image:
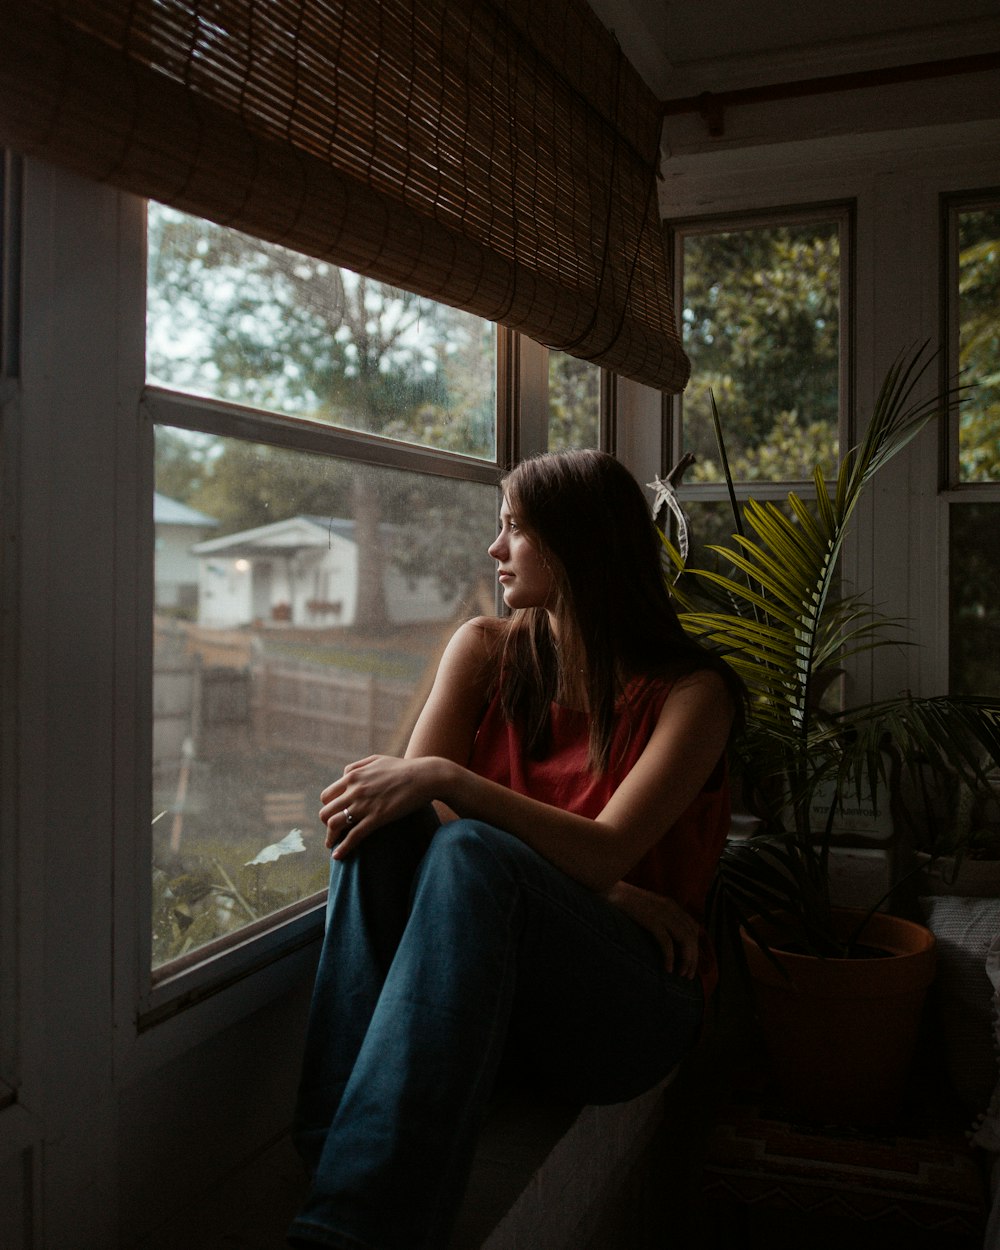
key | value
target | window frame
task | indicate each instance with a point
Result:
(10, 981)
(186, 980)
(78, 471)
(607, 407)
(521, 388)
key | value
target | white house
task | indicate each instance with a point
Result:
(303, 571)
(175, 568)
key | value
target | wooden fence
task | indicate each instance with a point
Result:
(225, 694)
(330, 714)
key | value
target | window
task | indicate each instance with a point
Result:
(763, 306)
(973, 266)
(325, 468)
(234, 318)
(574, 403)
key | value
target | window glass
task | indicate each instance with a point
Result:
(974, 519)
(233, 318)
(760, 313)
(301, 604)
(574, 403)
(301, 600)
(974, 566)
(979, 343)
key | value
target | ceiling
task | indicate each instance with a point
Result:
(683, 47)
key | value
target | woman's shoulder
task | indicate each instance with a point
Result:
(478, 643)
(658, 687)
(484, 632)
(703, 693)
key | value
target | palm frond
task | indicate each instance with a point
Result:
(787, 628)
(954, 733)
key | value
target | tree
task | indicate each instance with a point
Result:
(761, 325)
(182, 463)
(979, 343)
(574, 402)
(237, 319)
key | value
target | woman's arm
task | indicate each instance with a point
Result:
(445, 728)
(683, 749)
(448, 722)
(449, 719)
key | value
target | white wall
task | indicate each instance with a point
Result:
(175, 566)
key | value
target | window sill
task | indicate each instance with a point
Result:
(178, 987)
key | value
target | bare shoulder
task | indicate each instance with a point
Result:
(474, 648)
(704, 683)
(702, 693)
(489, 629)
(447, 724)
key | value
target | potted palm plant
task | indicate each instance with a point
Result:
(784, 623)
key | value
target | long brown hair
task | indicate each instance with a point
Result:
(615, 618)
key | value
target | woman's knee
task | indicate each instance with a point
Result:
(470, 849)
(471, 852)
(475, 840)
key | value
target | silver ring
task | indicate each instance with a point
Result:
(348, 817)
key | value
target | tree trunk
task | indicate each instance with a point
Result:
(372, 611)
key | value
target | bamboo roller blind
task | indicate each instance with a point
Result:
(497, 155)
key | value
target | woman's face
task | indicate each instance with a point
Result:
(526, 579)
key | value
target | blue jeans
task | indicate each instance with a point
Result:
(447, 949)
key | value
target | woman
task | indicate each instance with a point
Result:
(575, 755)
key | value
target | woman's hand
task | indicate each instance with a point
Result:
(676, 931)
(371, 793)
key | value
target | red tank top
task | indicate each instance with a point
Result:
(682, 862)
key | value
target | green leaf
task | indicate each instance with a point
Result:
(787, 631)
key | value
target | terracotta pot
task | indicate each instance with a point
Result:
(841, 1032)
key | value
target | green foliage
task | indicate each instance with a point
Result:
(248, 484)
(761, 325)
(240, 320)
(574, 403)
(787, 631)
(213, 893)
(789, 451)
(979, 343)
